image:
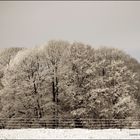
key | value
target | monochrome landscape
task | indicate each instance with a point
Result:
(69, 69)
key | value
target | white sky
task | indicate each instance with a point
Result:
(108, 23)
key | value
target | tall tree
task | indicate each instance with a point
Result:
(27, 85)
(99, 86)
(56, 52)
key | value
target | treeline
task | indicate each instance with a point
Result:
(63, 85)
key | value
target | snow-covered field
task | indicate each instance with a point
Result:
(69, 134)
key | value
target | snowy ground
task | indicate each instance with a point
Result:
(69, 134)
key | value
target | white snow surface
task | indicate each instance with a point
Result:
(69, 134)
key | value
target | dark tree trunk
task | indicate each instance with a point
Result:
(103, 72)
(38, 108)
(53, 90)
(57, 122)
(78, 123)
(55, 99)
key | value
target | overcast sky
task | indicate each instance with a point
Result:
(109, 23)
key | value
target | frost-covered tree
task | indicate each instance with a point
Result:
(56, 52)
(27, 87)
(75, 81)
(99, 86)
(6, 55)
(33, 86)
(68, 85)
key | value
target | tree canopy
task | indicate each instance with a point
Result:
(64, 84)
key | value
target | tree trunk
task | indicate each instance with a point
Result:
(78, 123)
(38, 109)
(55, 98)
(57, 122)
